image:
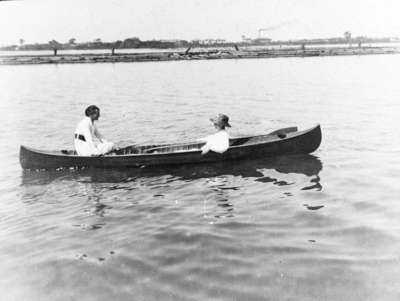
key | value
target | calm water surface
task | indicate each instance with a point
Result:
(320, 227)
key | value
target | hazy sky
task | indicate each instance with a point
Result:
(110, 20)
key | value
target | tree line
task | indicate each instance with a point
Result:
(165, 44)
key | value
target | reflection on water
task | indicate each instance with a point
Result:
(219, 182)
(308, 165)
(219, 196)
(285, 228)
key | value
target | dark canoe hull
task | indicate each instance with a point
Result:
(302, 142)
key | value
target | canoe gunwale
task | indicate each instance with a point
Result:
(60, 154)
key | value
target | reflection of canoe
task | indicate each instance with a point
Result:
(257, 169)
(281, 142)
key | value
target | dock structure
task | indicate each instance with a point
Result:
(190, 54)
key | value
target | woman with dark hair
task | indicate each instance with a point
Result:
(85, 133)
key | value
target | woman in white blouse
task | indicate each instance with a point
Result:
(85, 133)
(218, 142)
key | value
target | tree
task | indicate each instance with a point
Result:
(347, 36)
(72, 41)
(117, 44)
(98, 40)
(131, 43)
(21, 42)
(54, 44)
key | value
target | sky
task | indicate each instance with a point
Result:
(111, 20)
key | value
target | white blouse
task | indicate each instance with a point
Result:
(87, 129)
(218, 142)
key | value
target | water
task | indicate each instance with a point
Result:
(318, 227)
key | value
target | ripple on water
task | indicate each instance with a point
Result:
(318, 227)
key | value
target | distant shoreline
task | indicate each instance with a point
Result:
(192, 55)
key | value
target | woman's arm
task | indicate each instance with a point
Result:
(205, 149)
(97, 133)
(85, 131)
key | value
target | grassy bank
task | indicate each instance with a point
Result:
(198, 55)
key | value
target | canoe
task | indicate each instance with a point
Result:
(281, 142)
